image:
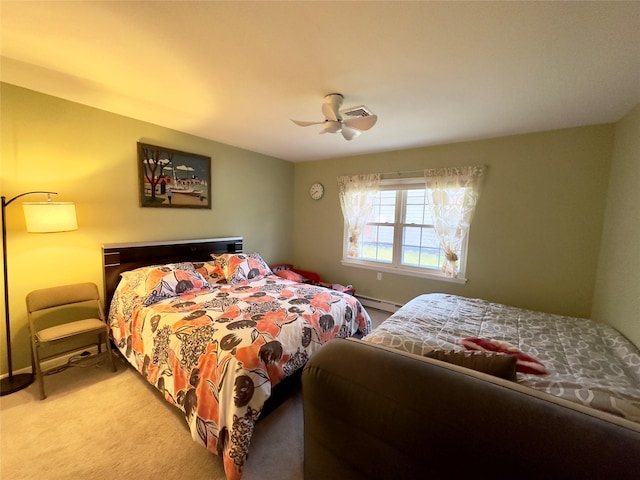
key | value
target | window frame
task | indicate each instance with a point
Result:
(395, 267)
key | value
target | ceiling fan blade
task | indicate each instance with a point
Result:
(305, 124)
(350, 133)
(362, 123)
(330, 112)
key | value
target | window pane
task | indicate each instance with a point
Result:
(384, 207)
(387, 195)
(370, 234)
(418, 210)
(422, 257)
(431, 258)
(428, 217)
(421, 248)
(415, 214)
(430, 238)
(385, 235)
(412, 236)
(375, 213)
(377, 243)
(415, 197)
(387, 214)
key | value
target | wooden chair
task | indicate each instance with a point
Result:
(65, 313)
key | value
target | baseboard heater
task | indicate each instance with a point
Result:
(379, 304)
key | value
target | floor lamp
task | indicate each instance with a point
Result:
(40, 217)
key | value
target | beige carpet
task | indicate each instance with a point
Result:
(99, 424)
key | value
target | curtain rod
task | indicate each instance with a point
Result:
(423, 171)
(405, 172)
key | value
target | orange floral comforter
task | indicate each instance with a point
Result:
(217, 353)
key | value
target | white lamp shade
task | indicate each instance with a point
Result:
(45, 217)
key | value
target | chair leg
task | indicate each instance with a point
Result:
(108, 342)
(36, 364)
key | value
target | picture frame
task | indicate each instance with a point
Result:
(171, 178)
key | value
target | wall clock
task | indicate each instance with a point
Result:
(316, 191)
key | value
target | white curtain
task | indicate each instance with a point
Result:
(452, 194)
(356, 199)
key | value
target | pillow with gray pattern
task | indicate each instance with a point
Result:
(499, 365)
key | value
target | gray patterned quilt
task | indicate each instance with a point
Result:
(589, 363)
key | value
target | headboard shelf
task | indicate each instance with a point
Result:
(120, 257)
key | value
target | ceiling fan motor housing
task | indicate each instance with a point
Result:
(331, 126)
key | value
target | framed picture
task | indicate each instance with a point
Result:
(173, 179)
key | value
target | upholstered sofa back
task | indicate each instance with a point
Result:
(376, 413)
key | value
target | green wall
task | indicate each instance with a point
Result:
(617, 293)
(535, 236)
(89, 156)
(535, 239)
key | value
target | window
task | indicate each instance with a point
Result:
(400, 233)
(416, 226)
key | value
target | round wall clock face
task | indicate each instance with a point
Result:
(316, 191)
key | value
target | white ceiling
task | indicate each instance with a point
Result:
(237, 72)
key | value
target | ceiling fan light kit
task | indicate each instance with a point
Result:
(360, 118)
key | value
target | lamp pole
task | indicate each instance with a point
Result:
(12, 383)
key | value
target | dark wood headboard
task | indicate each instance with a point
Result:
(120, 257)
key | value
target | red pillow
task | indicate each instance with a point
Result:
(525, 364)
(290, 275)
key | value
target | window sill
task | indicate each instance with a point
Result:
(380, 267)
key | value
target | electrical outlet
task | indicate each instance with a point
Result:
(379, 276)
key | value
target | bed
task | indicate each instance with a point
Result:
(216, 333)
(409, 401)
(577, 359)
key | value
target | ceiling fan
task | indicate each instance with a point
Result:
(360, 118)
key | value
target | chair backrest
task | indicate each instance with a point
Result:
(50, 306)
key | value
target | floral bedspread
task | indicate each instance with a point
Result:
(216, 353)
(588, 362)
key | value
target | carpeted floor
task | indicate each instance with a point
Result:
(99, 424)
